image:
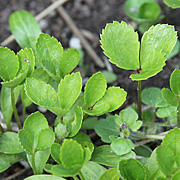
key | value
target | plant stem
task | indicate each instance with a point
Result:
(14, 109)
(1, 129)
(139, 100)
(81, 176)
(24, 112)
(75, 178)
(178, 114)
(33, 163)
(153, 117)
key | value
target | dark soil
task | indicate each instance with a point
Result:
(90, 15)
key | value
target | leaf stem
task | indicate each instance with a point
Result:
(139, 100)
(81, 176)
(75, 178)
(178, 113)
(14, 109)
(23, 112)
(33, 163)
(153, 117)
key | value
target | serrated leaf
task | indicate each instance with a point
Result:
(6, 105)
(71, 154)
(111, 173)
(69, 60)
(95, 89)
(8, 159)
(55, 152)
(107, 127)
(175, 51)
(92, 171)
(24, 98)
(9, 64)
(114, 97)
(75, 126)
(28, 136)
(132, 169)
(172, 3)
(48, 52)
(24, 28)
(44, 177)
(174, 82)
(9, 143)
(122, 146)
(42, 94)
(106, 156)
(153, 97)
(46, 138)
(115, 40)
(69, 89)
(41, 158)
(169, 97)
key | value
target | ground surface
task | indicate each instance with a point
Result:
(90, 15)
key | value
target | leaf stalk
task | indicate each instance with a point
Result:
(139, 100)
(33, 163)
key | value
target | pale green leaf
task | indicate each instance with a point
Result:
(116, 41)
(24, 28)
(107, 127)
(114, 97)
(6, 105)
(55, 152)
(41, 74)
(44, 177)
(111, 173)
(95, 89)
(172, 3)
(166, 112)
(69, 89)
(42, 94)
(110, 76)
(61, 131)
(174, 82)
(122, 146)
(9, 64)
(169, 97)
(71, 154)
(41, 158)
(24, 98)
(69, 60)
(48, 52)
(92, 171)
(106, 156)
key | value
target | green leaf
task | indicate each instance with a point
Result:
(48, 52)
(114, 97)
(8, 159)
(69, 60)
(41, 158)
(44, 177)
(89, 123)
(105, 156)
(55, 152)
(132, 169)
(176, 176)
(109, 76)
(116, 41)
(111, 173)
(149, 10)
(129, 117)
(41, 74)
(75, 126)
(169, 97)
(156, 43)
(107, 127)
(9, 64)
(175, 50)
(143, 151)
(92, 171)
(28, 136)
(168, 111)
(6, 105)
(24, 98)
(42, 94)
(153, 97)
(9, 143)
(174, 82)
(71, 154)
(95, 89)
(61, 131)
(69, 89)
(24, 28)
(172, 3)
(122, 146)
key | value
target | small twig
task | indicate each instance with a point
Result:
(40, 16)
(107, 64)
(17, 174)
(77, 32)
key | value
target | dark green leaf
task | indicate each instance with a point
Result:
(89, 123)
(55, 152)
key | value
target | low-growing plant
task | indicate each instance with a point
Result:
(43, 74)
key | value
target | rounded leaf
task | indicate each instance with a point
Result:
(174, 82)
(169, 97)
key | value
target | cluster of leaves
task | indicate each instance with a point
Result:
(42, 74)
